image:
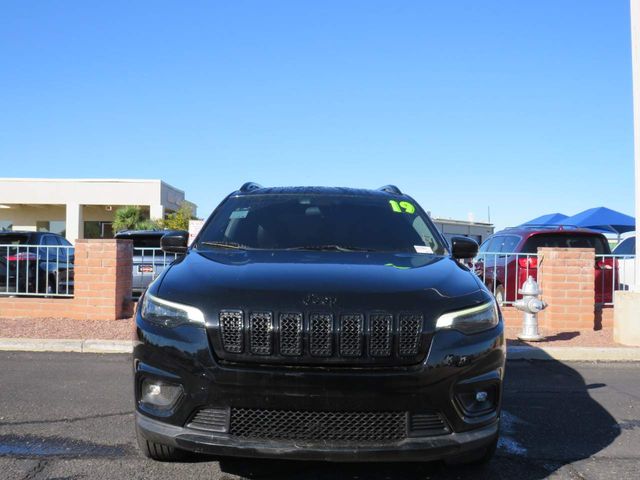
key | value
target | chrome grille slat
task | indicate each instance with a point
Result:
(232, 330)
(291, 334)
(261, 333)
(380, 334)
(351, 335)
(321, 334)
(409, 327)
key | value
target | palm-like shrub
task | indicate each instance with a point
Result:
(131, 217)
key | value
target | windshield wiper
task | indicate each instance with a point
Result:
(233, 245)
(337, 248)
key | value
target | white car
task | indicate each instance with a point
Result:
(626, 251)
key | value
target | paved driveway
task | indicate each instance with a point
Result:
(69, 416)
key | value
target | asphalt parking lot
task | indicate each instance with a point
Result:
(70, 416)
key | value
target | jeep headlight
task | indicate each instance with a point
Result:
(471, 320)
(169, 314)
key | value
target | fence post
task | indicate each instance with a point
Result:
(566, 277)
(102, 283)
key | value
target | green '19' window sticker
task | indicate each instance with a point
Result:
(400, 207)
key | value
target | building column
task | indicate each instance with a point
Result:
(635, 65)
(74, 222)
(156, 212)
(626, 328)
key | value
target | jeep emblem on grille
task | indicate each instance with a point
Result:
(315, 299)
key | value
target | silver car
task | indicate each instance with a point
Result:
(148, 259)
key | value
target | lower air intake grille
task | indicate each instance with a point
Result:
(313, 426)
(211, 420)
(427, 424)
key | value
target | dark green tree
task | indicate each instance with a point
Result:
(179, 220)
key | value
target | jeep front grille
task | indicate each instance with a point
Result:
(376, 338)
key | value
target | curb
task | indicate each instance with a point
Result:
(65, 345)
(575, 354)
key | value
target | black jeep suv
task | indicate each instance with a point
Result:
(322, 324)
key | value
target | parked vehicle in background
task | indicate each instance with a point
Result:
(625, 255)
(148, 259)
(35, 263)
(509, 257)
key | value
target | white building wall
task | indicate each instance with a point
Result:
(80, 191)
(79, 200)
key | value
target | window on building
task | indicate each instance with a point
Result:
(53, 226)
(95, 229)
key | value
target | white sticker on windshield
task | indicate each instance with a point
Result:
(423, 249)
(239, 214)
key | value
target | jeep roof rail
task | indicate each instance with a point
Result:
(249, 186)
(390, 189)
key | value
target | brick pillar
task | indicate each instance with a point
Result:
(566, 277)
(102, 280)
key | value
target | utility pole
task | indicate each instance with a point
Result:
(635, 64)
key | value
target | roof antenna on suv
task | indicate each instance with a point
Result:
(249, 186)
(390, 189)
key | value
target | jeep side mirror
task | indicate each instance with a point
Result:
(463, 247)
(175, 242)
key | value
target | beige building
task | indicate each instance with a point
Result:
(479, 231)
(81, 208)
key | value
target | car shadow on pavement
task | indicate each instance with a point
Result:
(549, 421)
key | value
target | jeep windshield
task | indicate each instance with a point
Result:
(321, 222)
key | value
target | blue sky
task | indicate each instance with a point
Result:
(523, 106)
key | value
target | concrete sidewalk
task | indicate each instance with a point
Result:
(583, 354)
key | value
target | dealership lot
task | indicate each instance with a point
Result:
(71, 416)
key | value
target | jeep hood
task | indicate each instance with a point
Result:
(281, 280)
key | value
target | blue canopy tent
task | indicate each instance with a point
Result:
(548, 219)
(602, 218)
